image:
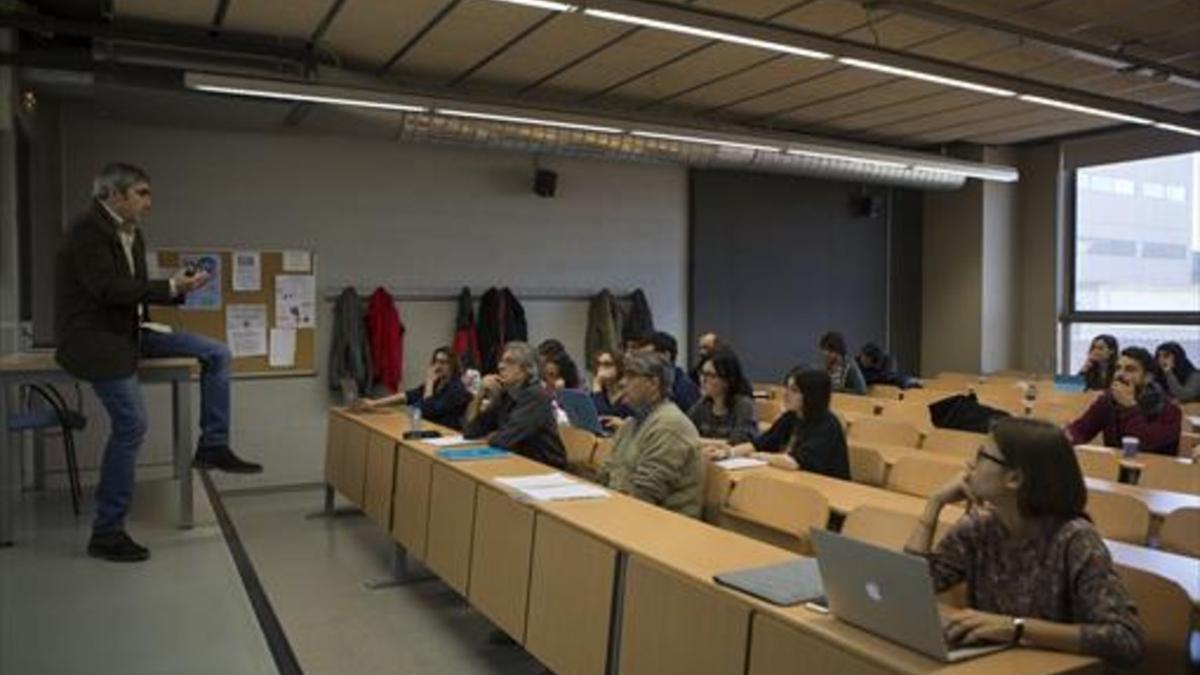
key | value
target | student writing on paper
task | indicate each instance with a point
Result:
(514, 412)
(1037, 571)
(806, 436)
(656, 453)
(442, 397)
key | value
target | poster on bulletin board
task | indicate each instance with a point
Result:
(261, 304)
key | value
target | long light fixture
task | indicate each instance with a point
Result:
(542, 4)
(1001, 174)
(720, 36)
(1177, 129)
(1087, 110)
(308, 98)
(927, 77)
(527, 120)
(847, 158)
(704, 141)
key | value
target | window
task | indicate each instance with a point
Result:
(1136, 256)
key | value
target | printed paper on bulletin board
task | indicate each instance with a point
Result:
(212, 323)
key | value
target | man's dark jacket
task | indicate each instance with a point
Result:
(97, 298)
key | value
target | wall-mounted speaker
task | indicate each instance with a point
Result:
(545, 183)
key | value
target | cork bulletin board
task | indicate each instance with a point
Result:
(211, 320)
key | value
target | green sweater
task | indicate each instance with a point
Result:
(658, 460)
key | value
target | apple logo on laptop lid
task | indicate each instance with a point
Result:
(874, 592)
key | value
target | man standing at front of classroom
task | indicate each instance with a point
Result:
(102, 328)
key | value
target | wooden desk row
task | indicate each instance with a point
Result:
(845, 496)
(1160, 502)
(605, 586)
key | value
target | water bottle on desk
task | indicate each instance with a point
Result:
(414, 416)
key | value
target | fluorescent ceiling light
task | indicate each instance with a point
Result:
(1177, 129)
(705, 33)
(1000, 174)
(918, 75)
(527, 120)
(542, 4)
(310, 98)
(1075, 107)
(847, 158)
(704, 141)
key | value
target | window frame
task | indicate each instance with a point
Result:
(1073, 315)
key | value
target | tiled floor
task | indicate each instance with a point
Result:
(186, 611)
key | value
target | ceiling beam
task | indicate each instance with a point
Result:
(1117, 59)
(737, 25)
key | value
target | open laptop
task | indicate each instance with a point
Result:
(888, 593)
(581, 411)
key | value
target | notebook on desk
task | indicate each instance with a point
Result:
(785, 584)
(468, 454)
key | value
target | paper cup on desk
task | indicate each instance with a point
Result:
(1130, 445)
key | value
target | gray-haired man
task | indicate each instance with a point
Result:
(656, 454)
(102, 326)
(514, 412)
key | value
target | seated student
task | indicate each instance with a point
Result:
(843, 371)
(1037, 571)
(559, 372)
(442, 397)
(876, 368)
(684, 392)
(706, 344)
(514, 412)
(807, 437)
(726, 409)
(1177, 375)
(1134, 405)
(656, 453)
(608, 390)
(1101, 364)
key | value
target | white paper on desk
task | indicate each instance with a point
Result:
(565, 492)
(297, 261)
(735, 463)
(541, 480)
(246, 330)
(283, 348)
(247, 271)
(295, 301)
(446, 441)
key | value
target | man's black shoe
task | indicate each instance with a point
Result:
(220, 457)
(116, 546)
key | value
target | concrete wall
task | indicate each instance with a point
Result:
(952, 280)
(1039, 255)
(411, 217)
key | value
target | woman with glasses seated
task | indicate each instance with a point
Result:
(442, 397)
(1037, 572)
(725, 410)
(807, 436)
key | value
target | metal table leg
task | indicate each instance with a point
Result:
(7, 459)
(400, 576)
(181, 422)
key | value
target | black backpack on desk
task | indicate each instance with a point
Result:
(965, 413)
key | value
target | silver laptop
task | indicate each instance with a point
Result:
(888, 593)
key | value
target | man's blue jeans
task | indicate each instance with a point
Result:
(122, 399)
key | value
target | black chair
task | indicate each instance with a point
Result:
(57, 414)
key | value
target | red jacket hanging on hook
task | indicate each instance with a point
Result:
(386, 335)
